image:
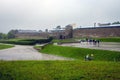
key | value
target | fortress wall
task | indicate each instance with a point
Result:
(39, 35)
(97, 32)
(76, 33)
(31, 35)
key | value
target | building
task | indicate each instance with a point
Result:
(108, 31)
(69, 32)
(63, 33)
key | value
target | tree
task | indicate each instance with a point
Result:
(58, 27)
(0, 35)
(11, 34)
(116, 22)
(3, 36)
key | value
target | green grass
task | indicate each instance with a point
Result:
(110, 39)
(15, 39)
(63, 40)
(38, 47)
(114, 39)
(59, 70)
(80, 53)
(4, 46)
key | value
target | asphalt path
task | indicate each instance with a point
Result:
(112, 46)
(20, 52)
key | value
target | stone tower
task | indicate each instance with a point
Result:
(69, 31)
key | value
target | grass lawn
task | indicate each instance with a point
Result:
(110, 39)
(59, 70)
(80, 53)
(114, 39)
(101, 68)
(4, 46)
(64, 40)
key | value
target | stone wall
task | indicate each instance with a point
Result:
(67, 33)
(76, 33)
(97, 32)
(31, 35)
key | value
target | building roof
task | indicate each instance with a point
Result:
(27, 31)
(99, 27)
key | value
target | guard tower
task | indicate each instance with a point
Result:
(69, 31)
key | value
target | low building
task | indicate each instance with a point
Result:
(56, 33)
(69, 32)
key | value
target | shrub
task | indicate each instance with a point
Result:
(26, 41)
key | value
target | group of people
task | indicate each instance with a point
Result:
(91, 41)
(89, 57)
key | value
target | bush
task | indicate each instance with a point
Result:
(18, 42)
(26, 41)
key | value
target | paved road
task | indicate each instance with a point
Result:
(26, 53)
(103, 46)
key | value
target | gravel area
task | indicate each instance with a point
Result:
(103, 46)
(20, 52)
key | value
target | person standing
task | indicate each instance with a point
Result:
(98, 42)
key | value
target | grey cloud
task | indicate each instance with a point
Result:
(42, 14)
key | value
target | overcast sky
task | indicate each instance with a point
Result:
(47, 14)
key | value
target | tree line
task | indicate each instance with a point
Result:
(9, 35)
